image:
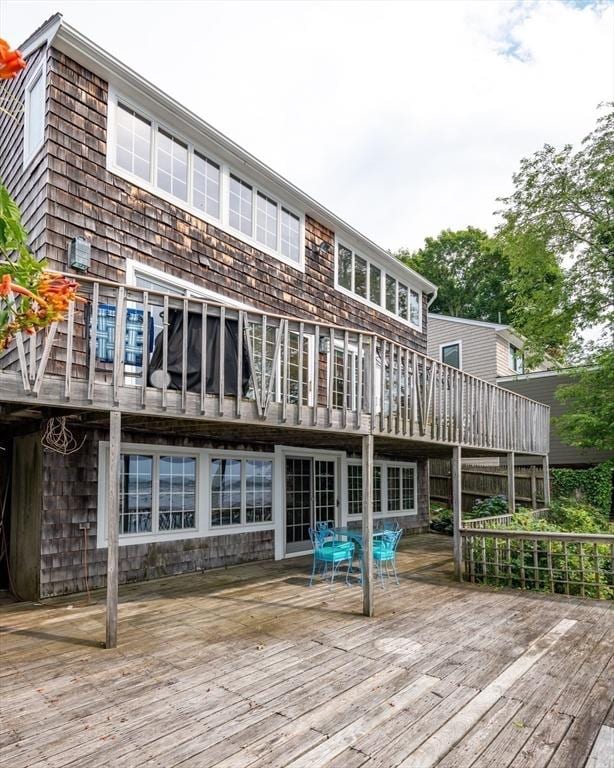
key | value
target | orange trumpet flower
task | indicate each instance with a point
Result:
(11, 62)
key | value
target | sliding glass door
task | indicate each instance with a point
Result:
(311, 497)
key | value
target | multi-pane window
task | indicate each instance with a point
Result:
(177, 493)
(206, 185)
(414, 308)
(258, 491)
(240, 206)
(172, 165)
(391, 294)
(241, 491)
(369, 282)
(344, 268)
(157, 493)
(136, 494)
(400, 489)
(375, 284)
(354, 489)
(266, 221)
(290, 236)
(516, 359)
(394, 489)
(348, 373)
(360, 276)
(133, 142)
(34, 114)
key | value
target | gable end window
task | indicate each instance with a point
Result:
(450, 354)
(34, 123)
(516, 359)
(368, 282)
(162, 161)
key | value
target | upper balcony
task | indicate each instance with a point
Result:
(184, 357)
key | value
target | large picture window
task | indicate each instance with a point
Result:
(394, 489)
(157, 493)
(241, 491)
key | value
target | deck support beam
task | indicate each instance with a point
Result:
(511, 483)
(457, 510)
(367, 525)
(546, 468)
(113, 480)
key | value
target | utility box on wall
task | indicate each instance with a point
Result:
(79, 254)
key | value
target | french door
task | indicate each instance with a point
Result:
(311, 497)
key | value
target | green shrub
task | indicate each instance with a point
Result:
(442, 519)
(593, 485)
(496, 505)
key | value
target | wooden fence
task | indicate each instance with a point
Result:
(564, 563)
(480, 482)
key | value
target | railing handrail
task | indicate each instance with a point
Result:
(589, 538)
(366, 334)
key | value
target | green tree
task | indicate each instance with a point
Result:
(511, 279)
(589, 418)
(564, 199)
(470, 272)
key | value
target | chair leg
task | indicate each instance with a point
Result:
(394, 568)
(381, 573)
(313, 572)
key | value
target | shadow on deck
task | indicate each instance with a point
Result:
(249, 667)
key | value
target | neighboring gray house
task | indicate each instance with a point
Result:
(486, 350)
(493, 351)
(541, 385)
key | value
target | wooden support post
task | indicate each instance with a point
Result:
(546, 467)
(115, 421)
(511, 483)
(533, 473)
(457, 507)
(367, 525)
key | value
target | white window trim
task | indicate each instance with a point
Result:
(29, 153)
(458, 343)
(345, 243)
(203, 527)
(385, 513)
(225, 171)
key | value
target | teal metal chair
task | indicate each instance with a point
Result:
(385, 553)
(330, 551)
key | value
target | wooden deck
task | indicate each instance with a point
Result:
(249, 667)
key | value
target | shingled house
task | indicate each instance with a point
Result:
(262, 360)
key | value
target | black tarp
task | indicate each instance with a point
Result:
(194, 369)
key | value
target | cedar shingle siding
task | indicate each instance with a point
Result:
(126, 221)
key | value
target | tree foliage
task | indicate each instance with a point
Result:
(564, 199)
(513, 281)
(589, 418)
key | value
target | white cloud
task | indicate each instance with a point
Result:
(403, 118)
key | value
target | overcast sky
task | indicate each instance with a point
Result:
(404, 118)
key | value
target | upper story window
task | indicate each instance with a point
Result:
(369, 282)
(450, 354)
(516, 359)
(34, 124)
(169, 165)
(133, 142)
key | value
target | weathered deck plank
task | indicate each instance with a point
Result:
(249, 667)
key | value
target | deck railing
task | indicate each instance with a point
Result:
(565, 563)
(500, 521)
(238, 363)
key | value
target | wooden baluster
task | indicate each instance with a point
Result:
(184, 356)
(359, 383)
(382, 415)
(508, 557)
(597, 571)
(484, 568)
(222, 361)
(331, 376)
(399, 413)
(263, 345)
(316, 375)
(301, 354)
(284, 383)
(346, 375)
(145, 350)
(70, 333)
(203, 359)
(549, 562)
(523, 582)
(93, 331)
(407, 401)
(239, 400)
(566, 560)
(535, 565)
(119, 345)
(164, 351)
